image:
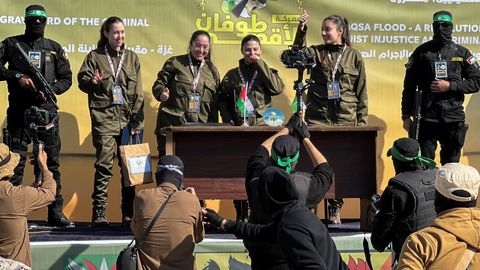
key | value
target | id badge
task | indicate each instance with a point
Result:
(333, 90)
(117, 95)
(441, 69)
(194, 102)
(35, 58)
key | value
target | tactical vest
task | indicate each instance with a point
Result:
(421, 187)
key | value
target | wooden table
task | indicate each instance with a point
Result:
(215, 157)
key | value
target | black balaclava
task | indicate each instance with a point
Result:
(442, 27)
(276, 190)
(35, 21)
(170, 169)
(285, 152)
(406, 156)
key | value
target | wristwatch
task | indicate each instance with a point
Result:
(18, 75)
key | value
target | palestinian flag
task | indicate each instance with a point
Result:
(244, 101)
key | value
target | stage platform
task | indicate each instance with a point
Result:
(87, 248)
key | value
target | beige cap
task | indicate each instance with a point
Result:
(458, 182)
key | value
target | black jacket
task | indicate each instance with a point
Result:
(53, 59)
(321, 179)
(268, 254)
(463, 74)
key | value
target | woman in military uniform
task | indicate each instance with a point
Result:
(338, 96)
(186, 87)
(260, 81)
(111, 77)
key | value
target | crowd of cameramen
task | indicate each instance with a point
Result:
(428, 214)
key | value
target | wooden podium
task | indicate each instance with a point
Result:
(215, 157)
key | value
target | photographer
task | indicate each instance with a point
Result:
(282, 150)
(27, 95)
(18, 201)
(338, 96)
(171, 241)
(406, 204)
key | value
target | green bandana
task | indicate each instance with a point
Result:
(285, 162)
(442, 18)
(429, 163)
(35, 13)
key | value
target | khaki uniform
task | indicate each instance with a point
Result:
(109, 119)
(442, 244)
(177, 77)
(171, 242)
(351, 108)
(267, 84)
(15, 203)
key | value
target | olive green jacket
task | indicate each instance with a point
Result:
(177, 77)
(267, 84)
(108, 118)
(351, 108)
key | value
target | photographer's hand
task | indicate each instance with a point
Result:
(42, 158)
(42, 163)
(190, 190)
(303, 20)
(214, 218)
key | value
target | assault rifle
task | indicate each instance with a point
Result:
(417, 115)
(40, 82)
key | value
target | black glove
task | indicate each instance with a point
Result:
(302, 131)
(294, 121)
(213, 217)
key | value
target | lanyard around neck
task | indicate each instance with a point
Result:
(196, 76)
(339, 58)
(120, 64)
(250, 85)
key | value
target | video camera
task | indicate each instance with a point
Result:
(36, 118)
(294, 57)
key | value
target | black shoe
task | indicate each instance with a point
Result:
(60, 221)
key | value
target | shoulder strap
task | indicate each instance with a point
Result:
(466, 258)
(147, 231)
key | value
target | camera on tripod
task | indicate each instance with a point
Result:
(294, 57)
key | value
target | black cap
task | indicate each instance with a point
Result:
(285, 146)
(406, 147)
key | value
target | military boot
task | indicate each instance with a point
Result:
(59, 220)
(334, 215)
(56, 218)
(99, 218)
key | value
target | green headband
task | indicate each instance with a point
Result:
(429, 163)
(285, 162)
(35, 13)
(442, 17)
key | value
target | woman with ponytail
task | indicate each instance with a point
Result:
(338, 96)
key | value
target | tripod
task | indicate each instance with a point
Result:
(300, 88)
